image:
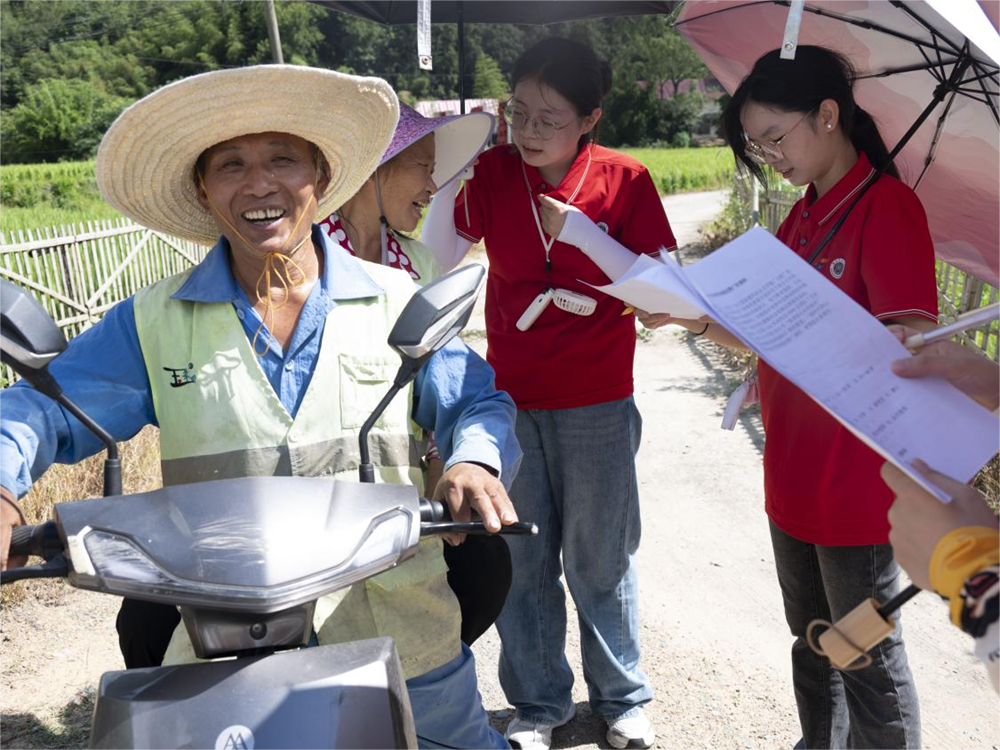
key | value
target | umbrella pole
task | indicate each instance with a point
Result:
(460, 9)
(940, 92)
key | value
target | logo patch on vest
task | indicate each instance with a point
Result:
(603, 226)
(181, 375)
(837, 268)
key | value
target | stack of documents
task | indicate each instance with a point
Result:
(803, 326)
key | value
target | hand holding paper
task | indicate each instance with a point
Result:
(826, 344)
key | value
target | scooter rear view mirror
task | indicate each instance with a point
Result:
(29, 340)
(434, 316)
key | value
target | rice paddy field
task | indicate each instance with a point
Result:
(33, 196)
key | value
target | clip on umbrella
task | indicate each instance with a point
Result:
(425, 55)
(792, 26)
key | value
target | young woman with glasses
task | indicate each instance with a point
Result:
(564, 353)
(825, 501)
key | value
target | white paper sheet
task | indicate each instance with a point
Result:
(837, 352)
(654, 286)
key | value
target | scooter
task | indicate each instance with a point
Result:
(245, 561)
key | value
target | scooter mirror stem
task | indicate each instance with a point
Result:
(366, 471)
(112, 464)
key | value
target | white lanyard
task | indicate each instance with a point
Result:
(547, 244)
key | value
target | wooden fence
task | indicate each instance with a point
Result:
(78, 272)
(957, 291)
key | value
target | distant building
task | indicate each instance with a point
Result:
(709, 88)
(445, 107)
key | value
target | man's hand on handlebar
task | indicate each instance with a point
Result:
(10, 516)
(467, 487)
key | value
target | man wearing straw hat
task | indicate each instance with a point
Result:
(280, 338)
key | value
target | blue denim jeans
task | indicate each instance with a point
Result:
(874, 707)
(577, 482)
(448, 710)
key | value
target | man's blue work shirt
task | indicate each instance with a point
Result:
(103, 371)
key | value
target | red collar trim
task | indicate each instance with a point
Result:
(569, 182)
(840, 194)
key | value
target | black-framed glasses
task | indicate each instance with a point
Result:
(518, 119)
(760, 151)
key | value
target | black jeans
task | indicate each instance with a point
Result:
(479, 574)
(874, 707)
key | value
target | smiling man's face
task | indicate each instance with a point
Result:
(265, 186)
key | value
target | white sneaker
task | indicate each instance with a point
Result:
(531, 735)
(634, 731)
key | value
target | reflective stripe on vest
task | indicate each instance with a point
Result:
(219, 417)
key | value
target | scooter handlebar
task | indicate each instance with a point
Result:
(38, 541)
(435, 518)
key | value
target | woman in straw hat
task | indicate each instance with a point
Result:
(424, 155)
(279, 340)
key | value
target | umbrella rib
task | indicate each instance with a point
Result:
(932, 151)
(912, 14)
(937, 74)
(989, 102)
(929, 66)
(872, 26)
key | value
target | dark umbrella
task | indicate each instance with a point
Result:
(530, 12)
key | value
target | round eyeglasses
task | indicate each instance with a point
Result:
(761, 151)
(519, 120)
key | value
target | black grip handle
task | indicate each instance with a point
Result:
(40, 541)
(433, 511)
(435, 518)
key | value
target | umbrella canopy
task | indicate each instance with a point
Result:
(533, 12)
(903, 53)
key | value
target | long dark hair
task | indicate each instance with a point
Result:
(801, 85)
(572, 69)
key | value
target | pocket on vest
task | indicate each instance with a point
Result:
(364, 381)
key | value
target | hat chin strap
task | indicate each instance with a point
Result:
(383, 223)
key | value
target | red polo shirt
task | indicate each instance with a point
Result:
(564, 360)
(821, 484)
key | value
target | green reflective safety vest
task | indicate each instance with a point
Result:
(219, 418)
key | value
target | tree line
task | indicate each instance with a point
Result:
(70, 67)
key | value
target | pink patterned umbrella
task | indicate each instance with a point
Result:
(928, 72)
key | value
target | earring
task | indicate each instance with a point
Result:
(829, 125)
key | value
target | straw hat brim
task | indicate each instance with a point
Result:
(146, 161)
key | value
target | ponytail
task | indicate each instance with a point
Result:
(801, 85)
(866, 138)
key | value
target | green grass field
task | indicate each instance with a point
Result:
(682, 170)
(33, 196)
(47, 195)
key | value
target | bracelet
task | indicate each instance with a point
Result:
(701, 332)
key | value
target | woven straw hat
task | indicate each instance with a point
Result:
(145, 165)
